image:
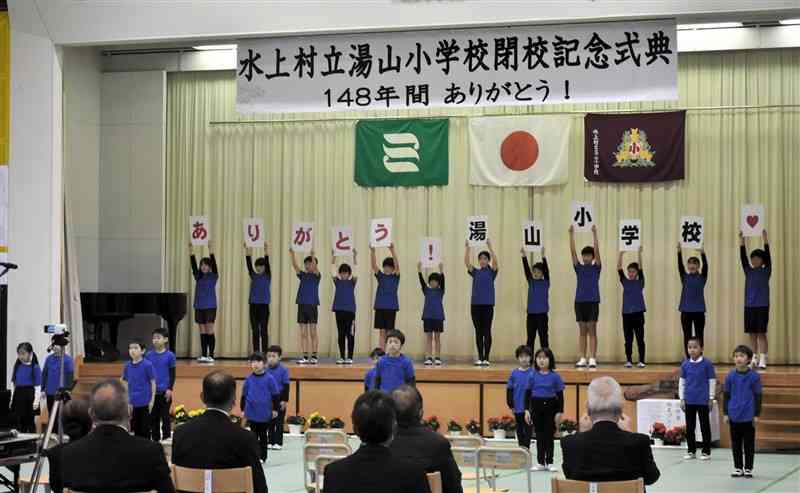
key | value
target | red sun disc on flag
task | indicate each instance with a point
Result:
(519, 150)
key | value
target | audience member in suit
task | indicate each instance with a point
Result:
(605, 450)
(109, 459)
(374, 467)
(212, 441)
(419, 443)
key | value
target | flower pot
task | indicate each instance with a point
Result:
(455, 432)
(659, 442)
(499, 434)
(295, 429)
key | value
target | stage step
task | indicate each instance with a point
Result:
(779, 427)
(774, 395)
(792, 440)
(791, 424)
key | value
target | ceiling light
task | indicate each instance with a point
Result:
(712, 25)
(214, 47)
(790, 22)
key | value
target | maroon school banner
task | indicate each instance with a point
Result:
(636, 147)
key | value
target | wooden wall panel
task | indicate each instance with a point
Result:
(331, 399)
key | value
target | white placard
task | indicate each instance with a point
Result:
(342, 240)
(582, 216)
(630, 235)
(430, 252)
(691, 231)
(302, 237)
(477, 230)
(380, 232)
(631, 60)
(254, 234)
(668, 412)
(531, 236)
(199, 230)
(752, 219)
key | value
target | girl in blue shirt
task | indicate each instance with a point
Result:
(518, 395)
(260, 297)
(27, 378)
(693, 299)
(482, 303)
(587, 296)
(307, 306)
(547, 406)
(432, 314)
(742, 407)
(344, 307)
(205, 301)
(538, 300)
(756, 297)
(386, 301)
(633, 308)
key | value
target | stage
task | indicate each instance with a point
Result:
(463, 392)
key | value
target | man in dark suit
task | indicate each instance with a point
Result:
(419, 443)
(605, 450)
(373, 467)
(212, 441)
(110, 459)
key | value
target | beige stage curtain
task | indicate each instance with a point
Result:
(291, 171)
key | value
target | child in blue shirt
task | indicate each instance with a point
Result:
(163, 361)
(51, 374)
(756, 297)
(280, 374)
(394, 369)
(587, 296)
(140, 376)
(633, 308)
(205, 301)
(538, 300)
(307, 306)
(369, 377)
(742, 408)
(696, 389)
(482, 300)
(260, 297)
(386, 301)
(432, 314)
(518, 395)
(261, 399)
(344, 307)
(547, 406)
(693, 298)
(27, 379)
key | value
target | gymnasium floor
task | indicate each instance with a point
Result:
(773, 473)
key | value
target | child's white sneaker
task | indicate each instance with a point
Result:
(428, 361)
(340, 361)
(552, 468)
(628, 364)
(478, 362)
(689, 456)
(277, 447)
(581, 363)
(437, 361)
(748, 473)
(737, 473)
(705, 457)
(486, 363)
(762, 361)
(539, 467)
(641, 365)
(209, 359)
(201, 359)
(592, 363)
(348, 361)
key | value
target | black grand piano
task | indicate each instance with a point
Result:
(109, 309)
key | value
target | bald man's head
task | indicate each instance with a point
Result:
(219, 390)
(408, 404)
(108, 403)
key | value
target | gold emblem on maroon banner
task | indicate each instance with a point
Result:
(634, 151)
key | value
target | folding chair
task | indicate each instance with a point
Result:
(312, 451)
(509, 459)
(319, 467)
(570, 486)
(326, 436)
(235, 480)
(473, 442)
(435, 482)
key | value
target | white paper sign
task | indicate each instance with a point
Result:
(302, 237)
(380, 232)
(342, 240)
(430, 252)
(582, 216)
(477, 230)
(691, 232)
(254, 234)
(632, 60)
(630, 235)
(752, 219)
(199, 230)
(531, 236)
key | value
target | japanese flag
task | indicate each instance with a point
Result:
(513, 151)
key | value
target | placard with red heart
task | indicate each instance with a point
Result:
(752, 223)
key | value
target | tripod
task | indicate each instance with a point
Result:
(62, 396)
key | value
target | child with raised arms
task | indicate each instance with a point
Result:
(756, 297)
(260, 297)
(432, 314)
(344, 307)
(387, 303)
(587, 296)
(633, 308)
(307, 306)
(538, 300)
(482, 299)
(693, 299)
(205, 301)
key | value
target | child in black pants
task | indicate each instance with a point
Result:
(518, 394)
(260, 401)
(742, 408)
(280, 374)
(547, 406)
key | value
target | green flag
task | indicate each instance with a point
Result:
(402, 153)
